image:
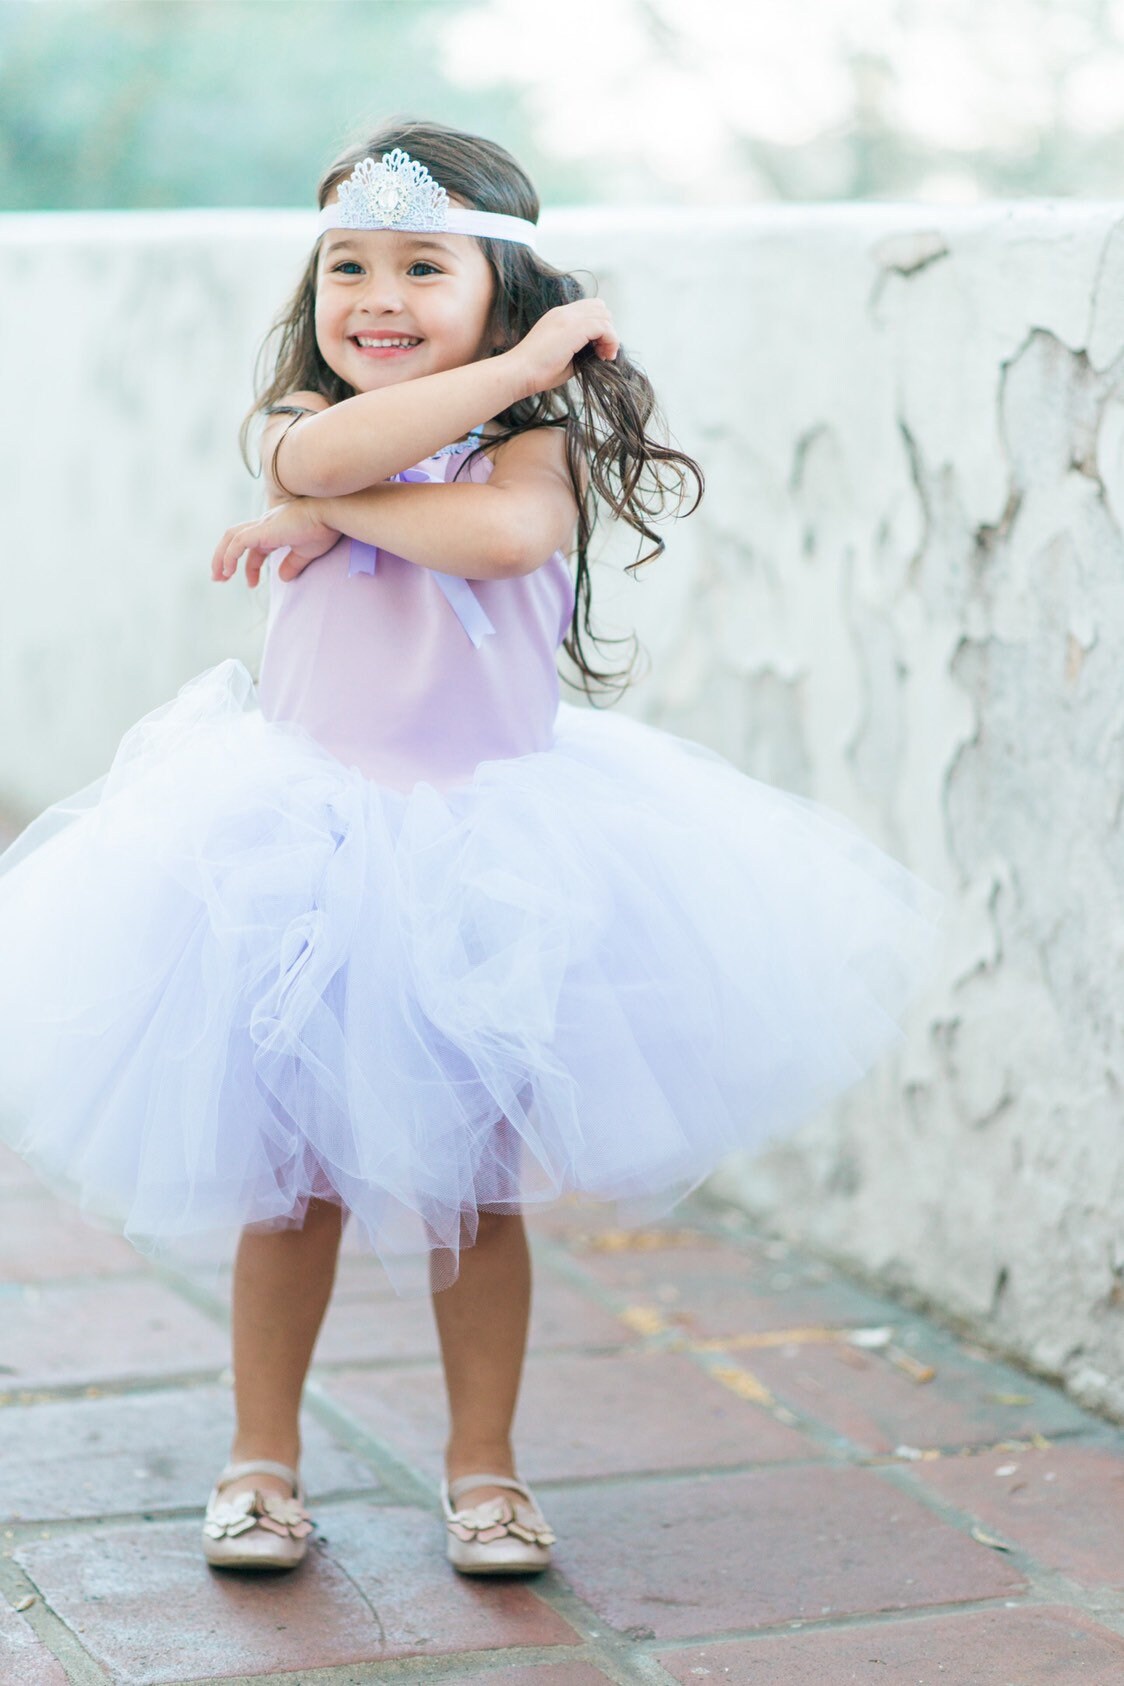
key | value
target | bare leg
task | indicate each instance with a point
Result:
(282, 1283)
(482, 1324)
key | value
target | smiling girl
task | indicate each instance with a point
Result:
(396, 934)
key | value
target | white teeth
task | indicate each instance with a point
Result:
(365, 340)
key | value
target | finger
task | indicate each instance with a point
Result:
(607, 345)
(291, 566)
(220, 550)
(233, 551)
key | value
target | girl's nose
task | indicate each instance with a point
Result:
(382, 293)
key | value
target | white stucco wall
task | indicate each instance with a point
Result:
(903, 595)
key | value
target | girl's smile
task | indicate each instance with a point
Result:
(384, 347)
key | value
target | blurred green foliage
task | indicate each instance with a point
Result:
(123, 104)
(126, 104)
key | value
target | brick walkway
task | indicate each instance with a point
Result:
(744, 1488)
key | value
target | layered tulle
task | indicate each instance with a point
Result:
(238, 973)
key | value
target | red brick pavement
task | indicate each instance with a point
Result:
(743, 1490)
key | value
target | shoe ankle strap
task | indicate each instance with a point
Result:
(464, 1484)
(259, 1466)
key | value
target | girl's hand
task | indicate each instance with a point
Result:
(547, 351)
(295, 523)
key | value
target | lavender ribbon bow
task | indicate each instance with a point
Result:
(457, 591)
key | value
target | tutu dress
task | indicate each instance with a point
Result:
(397, 927)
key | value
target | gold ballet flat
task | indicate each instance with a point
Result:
(498, 1536)
(256, 1529)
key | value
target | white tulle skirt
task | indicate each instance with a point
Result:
(239, 974)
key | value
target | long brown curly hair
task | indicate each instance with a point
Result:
(605, 409)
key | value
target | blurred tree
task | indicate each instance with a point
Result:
(123, 104)
(130, 103)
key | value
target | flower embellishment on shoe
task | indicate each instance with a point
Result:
(497, 1536)
(493, 1520)
(277, 1515)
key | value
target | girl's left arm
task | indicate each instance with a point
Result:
(505, 526)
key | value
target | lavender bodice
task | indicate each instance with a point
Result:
(380, 670)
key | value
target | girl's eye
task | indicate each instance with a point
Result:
(419, 263)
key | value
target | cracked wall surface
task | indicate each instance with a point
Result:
(903, 595)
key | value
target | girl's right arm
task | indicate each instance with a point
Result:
(365, 439)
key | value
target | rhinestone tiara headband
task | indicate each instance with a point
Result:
(401, 193)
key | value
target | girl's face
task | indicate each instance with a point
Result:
(433, 290)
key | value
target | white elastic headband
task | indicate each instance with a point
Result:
(401, 193)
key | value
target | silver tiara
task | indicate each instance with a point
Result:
(400, 193)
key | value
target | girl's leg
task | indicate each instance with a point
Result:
(482, 1323)
(282, 1283)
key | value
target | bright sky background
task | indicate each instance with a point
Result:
(677, 83)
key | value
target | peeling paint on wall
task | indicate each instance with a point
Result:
(980, 570)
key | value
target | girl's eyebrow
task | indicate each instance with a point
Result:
(422, 240)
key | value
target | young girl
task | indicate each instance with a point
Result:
(395, 932)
